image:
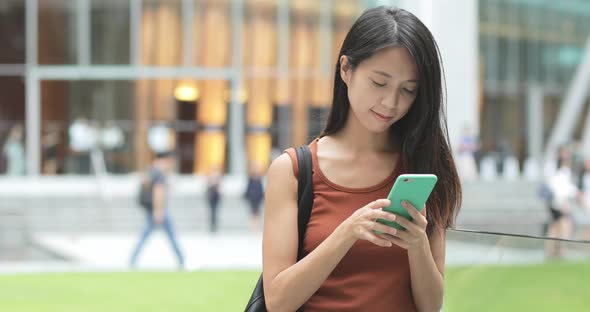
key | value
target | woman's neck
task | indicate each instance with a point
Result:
(360, 140)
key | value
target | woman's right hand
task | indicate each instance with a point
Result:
(362, 224)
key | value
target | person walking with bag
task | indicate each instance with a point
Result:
(154, 199)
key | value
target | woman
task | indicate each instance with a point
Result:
(387, 118)
(563, 191)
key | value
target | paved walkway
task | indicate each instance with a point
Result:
(110, 252)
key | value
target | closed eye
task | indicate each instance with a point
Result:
(409, 91)
(378, 84)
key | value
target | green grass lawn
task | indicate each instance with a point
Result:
(549, 287)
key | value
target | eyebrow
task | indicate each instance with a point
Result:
(382, 73)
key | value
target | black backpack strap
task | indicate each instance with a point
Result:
(304, 193)
(304, 204)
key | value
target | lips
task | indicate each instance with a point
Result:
(381, 117)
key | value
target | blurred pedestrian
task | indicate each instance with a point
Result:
(154, 197)
(213, 196)
(112, 140)
(82, 139)
(255, 194)
(564, 191)
(582, 218)
(49, 143)
(14, 151)
(467, 166)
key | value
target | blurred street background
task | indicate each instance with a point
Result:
(92, 91)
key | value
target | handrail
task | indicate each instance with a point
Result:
(519, 235)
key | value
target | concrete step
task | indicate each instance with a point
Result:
(493, 205)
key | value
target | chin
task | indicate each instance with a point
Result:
(378, 129)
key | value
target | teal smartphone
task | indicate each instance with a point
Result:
(413, 188)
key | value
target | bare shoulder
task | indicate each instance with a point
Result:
(281, 172)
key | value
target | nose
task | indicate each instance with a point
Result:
(390, 100)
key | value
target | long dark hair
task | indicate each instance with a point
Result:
(423, 130)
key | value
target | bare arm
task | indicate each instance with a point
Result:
(288, 284)
(427, 272)
(427, 259)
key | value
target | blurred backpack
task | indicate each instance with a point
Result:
(257, 301)
(145, 192)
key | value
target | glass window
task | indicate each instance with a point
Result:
(483, 13)
(110, 43)
(80, 117)
(12, 32)
(117, 125)
(260, 32)
(57, 32)
(213, 42)
(12, 123)
(511, 61)
(161, 33)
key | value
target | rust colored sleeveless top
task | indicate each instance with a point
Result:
(369, 277)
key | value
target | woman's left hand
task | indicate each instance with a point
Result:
(414, 235)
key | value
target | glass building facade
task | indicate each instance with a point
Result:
(525, 44)
(233, 79)
(239, 80)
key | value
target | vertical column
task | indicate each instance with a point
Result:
(283, 127)
(325, 37)
(458, 43)
(188, 8)
(33, 98)
(83, 31)
(33, 123)
(134, 27)
(535, 122)
(236, 136)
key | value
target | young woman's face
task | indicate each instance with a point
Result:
(382, 88)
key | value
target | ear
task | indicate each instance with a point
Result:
(345, 69)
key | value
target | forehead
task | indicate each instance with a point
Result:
(395, 61)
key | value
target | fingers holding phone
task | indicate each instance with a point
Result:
(362, 224)
(413, 233)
